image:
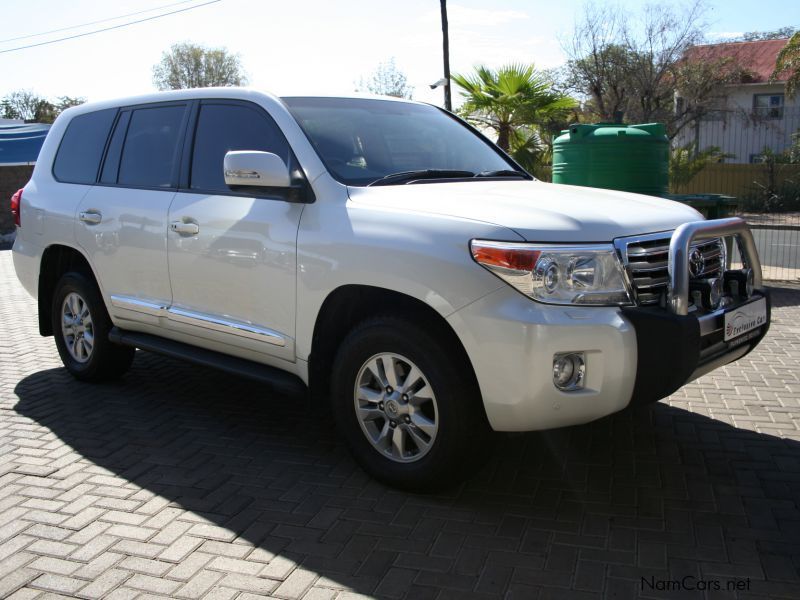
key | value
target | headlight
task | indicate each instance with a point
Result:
(585, 274)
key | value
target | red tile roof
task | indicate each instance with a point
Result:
(758, 57)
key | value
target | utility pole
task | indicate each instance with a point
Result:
(448, 104)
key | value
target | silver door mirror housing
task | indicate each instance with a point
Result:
(254, 168)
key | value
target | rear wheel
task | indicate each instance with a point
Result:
(81, 326)
(407, 407)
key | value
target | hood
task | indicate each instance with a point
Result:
(537, 211)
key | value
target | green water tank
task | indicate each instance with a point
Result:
(631, 158)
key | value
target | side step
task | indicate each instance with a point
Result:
(280, 381)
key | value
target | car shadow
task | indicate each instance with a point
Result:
(784, 293)
(655, 492)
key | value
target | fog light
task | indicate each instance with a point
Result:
(710, 291)
(739, 282)
(569, 370)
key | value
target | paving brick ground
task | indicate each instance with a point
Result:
(183, 482)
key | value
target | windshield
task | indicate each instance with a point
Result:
(364, 140)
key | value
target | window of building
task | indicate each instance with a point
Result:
(716, 108)
(769, 106)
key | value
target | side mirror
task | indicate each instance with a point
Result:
(251, 168)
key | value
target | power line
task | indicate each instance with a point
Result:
(32, 35)
(79, 35)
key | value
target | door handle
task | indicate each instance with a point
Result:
(90, 217)
(184, 228)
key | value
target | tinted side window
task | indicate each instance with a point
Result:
(81, 148)
(150, 151)
(224, 127)
(111, 164)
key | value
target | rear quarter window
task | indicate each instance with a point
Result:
(81, 149)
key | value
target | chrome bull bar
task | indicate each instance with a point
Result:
(681, 242)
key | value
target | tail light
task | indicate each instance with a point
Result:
(16, 200)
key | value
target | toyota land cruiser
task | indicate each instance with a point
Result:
(380, 253)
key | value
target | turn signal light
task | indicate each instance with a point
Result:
(505, 256)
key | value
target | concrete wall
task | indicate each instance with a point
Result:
(11, 179)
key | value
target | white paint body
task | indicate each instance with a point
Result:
(269, 265)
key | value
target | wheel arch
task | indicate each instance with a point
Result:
(348, 305)
(57, 259)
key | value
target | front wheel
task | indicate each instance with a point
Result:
(408, 408)
(81, 326)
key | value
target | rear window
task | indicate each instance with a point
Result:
(150, 153)
(81, 148)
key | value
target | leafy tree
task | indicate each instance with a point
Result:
(701, 85)
(629, 68)
(604, 75)
(386, 80)
(789, 61)
(30, 107)
(188, 65)
(514, 102)
(65, 102)
(22, 104)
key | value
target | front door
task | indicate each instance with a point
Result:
(232, 256)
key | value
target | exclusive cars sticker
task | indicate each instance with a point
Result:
(744, 319)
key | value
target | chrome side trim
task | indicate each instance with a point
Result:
(205, 321)
(678, 292)
(154, 309)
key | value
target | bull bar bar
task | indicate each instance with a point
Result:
(678, 264)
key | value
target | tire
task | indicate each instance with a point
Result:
(443, 433)
(80, 326)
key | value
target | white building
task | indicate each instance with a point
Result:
(752, 114)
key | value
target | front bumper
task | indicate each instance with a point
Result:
(673, 350)
(632, 355)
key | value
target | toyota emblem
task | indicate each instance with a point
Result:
(696, 263)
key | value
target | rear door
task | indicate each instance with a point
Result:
(232, 260)
(122, 221)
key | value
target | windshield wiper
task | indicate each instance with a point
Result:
(502, 173)
(406, 176)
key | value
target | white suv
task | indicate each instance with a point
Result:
(383, 255)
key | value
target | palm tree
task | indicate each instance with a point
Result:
(515, 102)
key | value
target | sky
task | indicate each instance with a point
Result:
(309, 46)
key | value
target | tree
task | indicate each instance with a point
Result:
(700, 85)
(516, 102)
(789, 62)
(777, 34)
(188, 65)
(30, 107)
(386, 80)
(65, 102)
(630, 69)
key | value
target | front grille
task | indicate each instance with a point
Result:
(645, 259)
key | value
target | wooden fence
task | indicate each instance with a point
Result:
(740, 180)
